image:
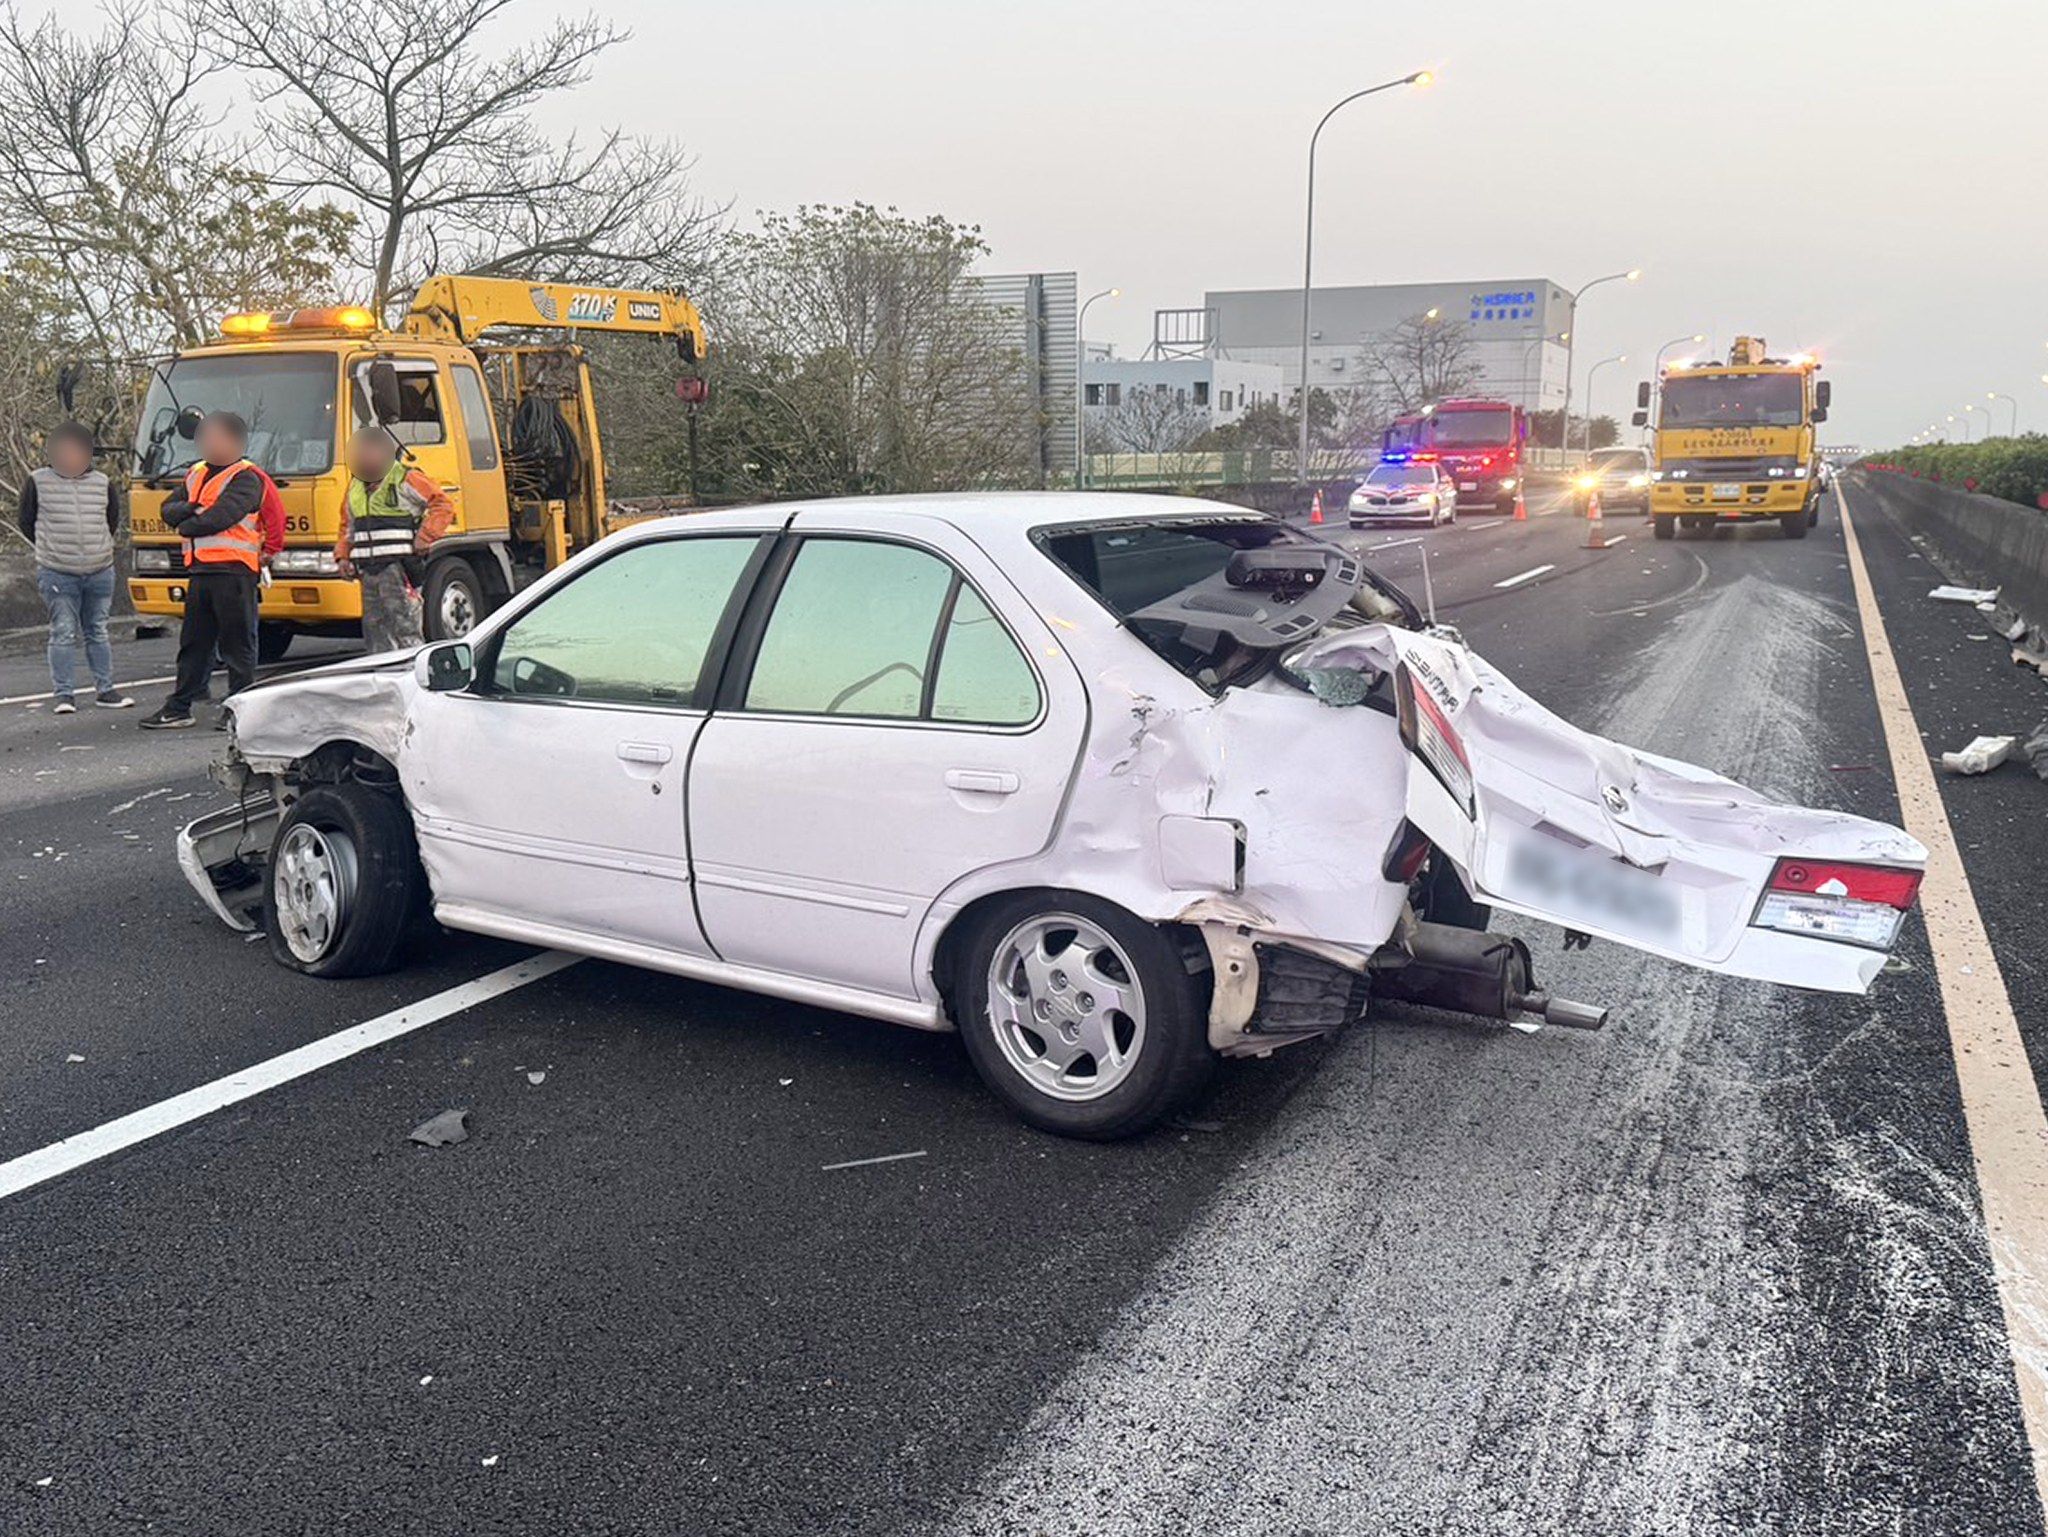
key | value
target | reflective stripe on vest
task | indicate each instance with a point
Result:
(240, 543)
(380, 525)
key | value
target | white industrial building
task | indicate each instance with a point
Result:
(1514, 325)
(1218, 389)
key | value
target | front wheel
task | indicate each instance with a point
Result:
(1794, 524)
(1080, 1017)
(1664, 528)
(344, 882)
(454, 599)
(273, 640)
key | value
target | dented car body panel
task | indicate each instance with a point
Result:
(828, 858)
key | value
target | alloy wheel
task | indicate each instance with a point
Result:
(1066, 1005)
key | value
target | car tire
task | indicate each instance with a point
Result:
(1033, 957)
(454, 599)
(273, 640)
(1664, 528)
(1794, 524)
(344, 882)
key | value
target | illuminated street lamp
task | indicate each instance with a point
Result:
(1081, 370)
(1308, 248)
(1966, 424)
(2012, 427)
(1968, 406)
(1564, 433)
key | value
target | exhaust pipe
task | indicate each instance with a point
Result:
(1469, 971)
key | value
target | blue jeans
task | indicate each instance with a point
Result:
(79, 606)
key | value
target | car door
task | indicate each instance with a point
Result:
(897, 719)
(549, 796)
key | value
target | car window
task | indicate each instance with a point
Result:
(476, 418)
(867, 628)
(1396, 475)
(983, 678)
(634, 629)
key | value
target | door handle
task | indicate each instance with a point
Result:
(644, 752)
(986, 781)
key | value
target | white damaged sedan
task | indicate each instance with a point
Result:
(1113, 785)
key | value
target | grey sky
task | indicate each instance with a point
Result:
(1861, 177)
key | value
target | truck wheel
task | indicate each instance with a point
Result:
(454, 599)
(1664, 528)
(1080, 1017)
(273, 640)
(343, 883)
(1794, 524)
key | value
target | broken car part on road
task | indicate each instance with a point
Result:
(1113, 784)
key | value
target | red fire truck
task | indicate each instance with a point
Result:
(1478, 442)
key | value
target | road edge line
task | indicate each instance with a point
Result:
(74, 1152)
(2002, 1108)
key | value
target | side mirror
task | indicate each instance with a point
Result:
(188, 422)
(1643, 396)
(1823, 394)
(1820, 414)
(384, 392)
(445, 668)
(1639, 419)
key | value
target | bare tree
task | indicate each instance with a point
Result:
(400, 109)
(1419, 361)
(1149, 419)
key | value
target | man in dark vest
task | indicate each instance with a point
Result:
(390, 519)
(219, 516)
(70, 512)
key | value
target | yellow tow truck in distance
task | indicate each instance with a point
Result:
(456, 402)
(1735, 442)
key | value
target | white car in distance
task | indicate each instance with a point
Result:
(1112, 785)
(1404, 491)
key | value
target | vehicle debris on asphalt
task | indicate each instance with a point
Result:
(443, 1130)
(1952, 594)
(1983, 755)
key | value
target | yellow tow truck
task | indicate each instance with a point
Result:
(1735, 442)
(508, 427)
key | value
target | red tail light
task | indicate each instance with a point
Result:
(1859, 883)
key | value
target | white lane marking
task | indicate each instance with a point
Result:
(1617, 539)
(43, 695)
(862, 1163)
(268, 670)
(1526, 576)
(2001, 1105)
(30, 1169)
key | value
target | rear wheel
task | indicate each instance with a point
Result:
(454, 599)
(343, 884)
(1794, 524)
(1080, 1017)
(273, 640)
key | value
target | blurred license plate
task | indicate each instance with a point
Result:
(1727, 493)
(1585, 886)
(1468, 485)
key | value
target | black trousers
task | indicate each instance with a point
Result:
(220, 611)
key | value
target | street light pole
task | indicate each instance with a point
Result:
(1081, 388)
(1967, 407)
(1966, 426)
(1564, 430)
(1308, 250)
(2013, 427)
(1619, 357)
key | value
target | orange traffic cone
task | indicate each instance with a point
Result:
(1521, 507)
(1315, 509)
(1596, 523)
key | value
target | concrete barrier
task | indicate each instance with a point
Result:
(1984, 540)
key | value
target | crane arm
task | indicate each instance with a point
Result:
(465, 307)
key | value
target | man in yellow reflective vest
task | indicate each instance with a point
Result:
(390, 519)
(219, 515)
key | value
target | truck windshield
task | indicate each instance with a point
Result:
(1472, 429)
(286, 398)
(1733, 400)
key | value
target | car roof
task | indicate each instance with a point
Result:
(970, 511)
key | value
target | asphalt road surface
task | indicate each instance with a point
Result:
(1718, 1269)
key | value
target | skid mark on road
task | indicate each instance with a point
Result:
(1473, 1283)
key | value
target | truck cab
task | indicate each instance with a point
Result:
(1478, 443)
(306, 379)
(1736, 442)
